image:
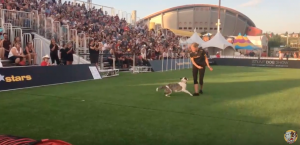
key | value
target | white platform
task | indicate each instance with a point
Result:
(140, 69)
(109, 73)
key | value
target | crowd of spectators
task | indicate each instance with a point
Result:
(114, 36)
(15, 53)
(111, 35)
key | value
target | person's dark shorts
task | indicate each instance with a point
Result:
(13, 58)
(94, 58)
(69, 57)
(6, 54)
(25, 52)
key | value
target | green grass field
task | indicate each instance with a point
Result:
(240, 106)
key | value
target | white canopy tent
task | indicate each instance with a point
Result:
(195, 38)
(217, 43)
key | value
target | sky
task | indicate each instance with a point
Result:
(277, 16)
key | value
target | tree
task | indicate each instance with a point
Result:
(275, 41)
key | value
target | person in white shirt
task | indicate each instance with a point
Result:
(165, 54)
(281, 55)
(143, 52)
(16, 54)
(106, 46)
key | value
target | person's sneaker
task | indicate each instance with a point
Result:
(196, 94)
(201, 92)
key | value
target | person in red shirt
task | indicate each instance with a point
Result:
(126, 28)
(45, 61)
(218, 55)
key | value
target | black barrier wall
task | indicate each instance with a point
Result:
(22, 77)
(258, 62)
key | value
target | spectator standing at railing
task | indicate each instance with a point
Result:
(30, 53)
(281, 55)
(94, 52)
(287, 55)
(295, 55)
(165, 54)
(70, 51)
(54, 52)
(7, 45)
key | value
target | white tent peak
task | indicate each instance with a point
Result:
(195, 30)
(217, 41)
(195, 38)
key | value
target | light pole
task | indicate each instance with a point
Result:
(219, 16)
(287, 39)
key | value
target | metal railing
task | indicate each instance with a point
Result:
(19, 19)
(251, 57)
(170, 63)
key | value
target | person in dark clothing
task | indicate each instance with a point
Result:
(94, 52)
(69, 53)
(91, 51)
(54, 52)
(200, 61)
(6, 45)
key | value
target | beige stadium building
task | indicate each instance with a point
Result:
(204, 18)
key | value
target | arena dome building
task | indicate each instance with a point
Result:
(204, 18)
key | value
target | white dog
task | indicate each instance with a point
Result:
(177, 87)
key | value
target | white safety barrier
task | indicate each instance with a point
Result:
(26, 37)
(172, 63)
(74, 38)
(141, 69)
(65, 34)
(56, 31)
(48, 28)
(17, 32)
(7, 28)
(81, 49)
(41, 24)
(38, 47)
(19, 19)
(35, 20)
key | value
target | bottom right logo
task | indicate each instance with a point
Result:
(290, 136)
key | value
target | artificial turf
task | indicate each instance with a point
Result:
(240, 106)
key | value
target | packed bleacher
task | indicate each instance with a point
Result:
(90, 30)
